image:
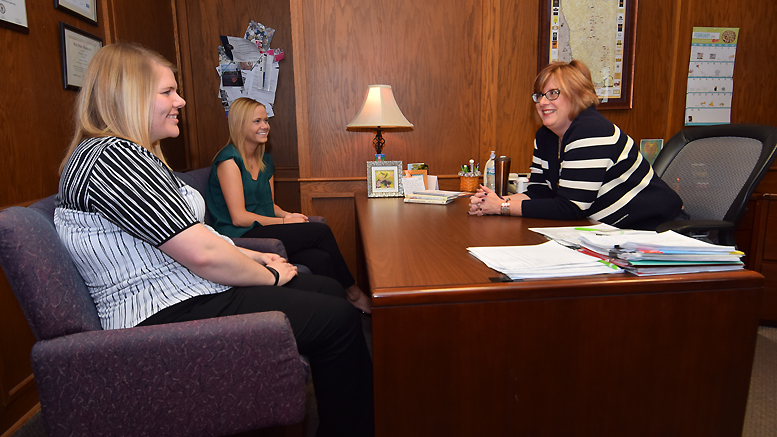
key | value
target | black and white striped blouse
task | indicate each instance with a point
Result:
(117, 204)
(596, 171)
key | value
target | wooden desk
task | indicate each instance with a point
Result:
(612, 355)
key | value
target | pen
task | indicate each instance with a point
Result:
(586, 229)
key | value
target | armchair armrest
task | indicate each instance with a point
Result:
(216, 376)
(262, 245)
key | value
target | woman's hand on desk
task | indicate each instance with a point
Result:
(486, 202)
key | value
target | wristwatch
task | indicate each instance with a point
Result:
(506, 207)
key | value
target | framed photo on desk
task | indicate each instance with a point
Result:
(602, 37)
(384, 179)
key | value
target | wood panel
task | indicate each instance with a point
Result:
(755, 87)
(36, 118)
(428, 52)
(333, 200)
(159, 34)
(204, 22)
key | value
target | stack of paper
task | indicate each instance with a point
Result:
(545, 260)
(651, 253)
(439, 197)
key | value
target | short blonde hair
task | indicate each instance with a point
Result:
(574, 81)
(117, 96)
(241, 115)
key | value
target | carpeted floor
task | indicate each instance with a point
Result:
(761, 416)
(760, 419)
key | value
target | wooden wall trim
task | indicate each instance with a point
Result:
(108, 19)
(300, 84)
(677, 65)
(185, 77)
(490, 75)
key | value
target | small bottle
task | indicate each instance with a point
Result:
(490, 173)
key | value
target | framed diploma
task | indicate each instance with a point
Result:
(83, 9)
(13, 15)
(602, 37)
(77, 48)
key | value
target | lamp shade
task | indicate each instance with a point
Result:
(379, 110)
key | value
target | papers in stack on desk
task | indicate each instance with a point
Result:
(652, 253)
(545, 260)
(647, 252)
(439, 197)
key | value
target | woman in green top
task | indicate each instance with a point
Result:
(240, 198)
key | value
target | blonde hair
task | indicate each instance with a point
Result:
(117, 97)
(241, 114)
(574, 81)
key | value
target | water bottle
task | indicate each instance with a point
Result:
(489, 176)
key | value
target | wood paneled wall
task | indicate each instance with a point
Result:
(36, 120)
(462, 73)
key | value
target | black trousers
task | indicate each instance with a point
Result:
(311, 244)
(328, 331)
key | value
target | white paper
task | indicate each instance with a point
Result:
(545, 260)
(432, 181)
(411, 185)
(244, 50)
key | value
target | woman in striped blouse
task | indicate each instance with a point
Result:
(583, 165)
(136, 234)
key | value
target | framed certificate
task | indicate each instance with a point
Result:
(13, 15)
(83, 9)
(602, 37)
(77, 48)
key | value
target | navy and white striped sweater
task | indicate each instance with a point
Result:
(599, 173)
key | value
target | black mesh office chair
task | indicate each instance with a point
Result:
(715, 169)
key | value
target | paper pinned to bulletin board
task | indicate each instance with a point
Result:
(711, 76)
(248, 67)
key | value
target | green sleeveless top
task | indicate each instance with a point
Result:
(257, 193)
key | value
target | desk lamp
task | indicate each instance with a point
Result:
(379, 111)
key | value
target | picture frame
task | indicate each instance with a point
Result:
(13, 16)
(609, 53)
(384, 179)
(76, 48)
(83, 9)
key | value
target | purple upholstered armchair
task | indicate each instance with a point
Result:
(209, 377)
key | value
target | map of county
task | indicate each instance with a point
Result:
(591, 31)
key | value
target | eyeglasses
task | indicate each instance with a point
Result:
(550, 95)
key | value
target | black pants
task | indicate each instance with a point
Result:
(311, 244)
(328, 331)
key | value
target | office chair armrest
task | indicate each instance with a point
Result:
(686, 227)
(219, 376)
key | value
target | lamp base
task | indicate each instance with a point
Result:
(378, 143)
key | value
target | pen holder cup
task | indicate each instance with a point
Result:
(469, 183)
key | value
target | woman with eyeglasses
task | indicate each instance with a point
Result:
(583, 165)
